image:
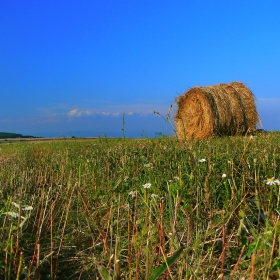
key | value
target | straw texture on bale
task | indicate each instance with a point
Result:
(223, 109)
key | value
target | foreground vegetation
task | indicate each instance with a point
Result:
(141, 209)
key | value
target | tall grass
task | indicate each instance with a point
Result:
(78, 209)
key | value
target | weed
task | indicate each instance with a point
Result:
(140, 209)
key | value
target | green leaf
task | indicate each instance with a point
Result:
(104, 273)
(262, 215)
(169, 262)
(276, 265)
(117, 183)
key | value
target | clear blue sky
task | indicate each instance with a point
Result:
(74, 67)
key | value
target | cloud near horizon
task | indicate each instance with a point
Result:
(77, 113)
(106, 110)
(59, 113)
(87, 112)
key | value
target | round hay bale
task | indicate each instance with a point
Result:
(223, 109)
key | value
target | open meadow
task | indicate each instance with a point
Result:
(141, 208)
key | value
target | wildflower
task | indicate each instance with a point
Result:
(271, 181)
(24, 207)
(147, 185)
(154, 196)
(202, 160)
(224, 175)
(27, 208)
(126, 178)
(132, 194)
(15, 204)
(13, 214)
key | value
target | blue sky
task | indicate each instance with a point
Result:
(75, 67)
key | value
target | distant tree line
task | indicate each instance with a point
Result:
(14, 135)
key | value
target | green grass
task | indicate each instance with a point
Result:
(77, 209)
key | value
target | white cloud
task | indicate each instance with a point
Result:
(79, 112)
(73, 112)
(105, 108)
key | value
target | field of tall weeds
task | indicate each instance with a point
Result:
(141, 209)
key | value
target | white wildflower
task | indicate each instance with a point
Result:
(224, 175)
(27, 208)
(13, 214)
(126, 178)
(24, 207)
(132, 194)
(272, 181)
(15, 204)
(202, 160)
(147, 186)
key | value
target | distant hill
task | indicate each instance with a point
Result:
(14, 135)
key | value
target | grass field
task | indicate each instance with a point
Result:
(140, 209)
